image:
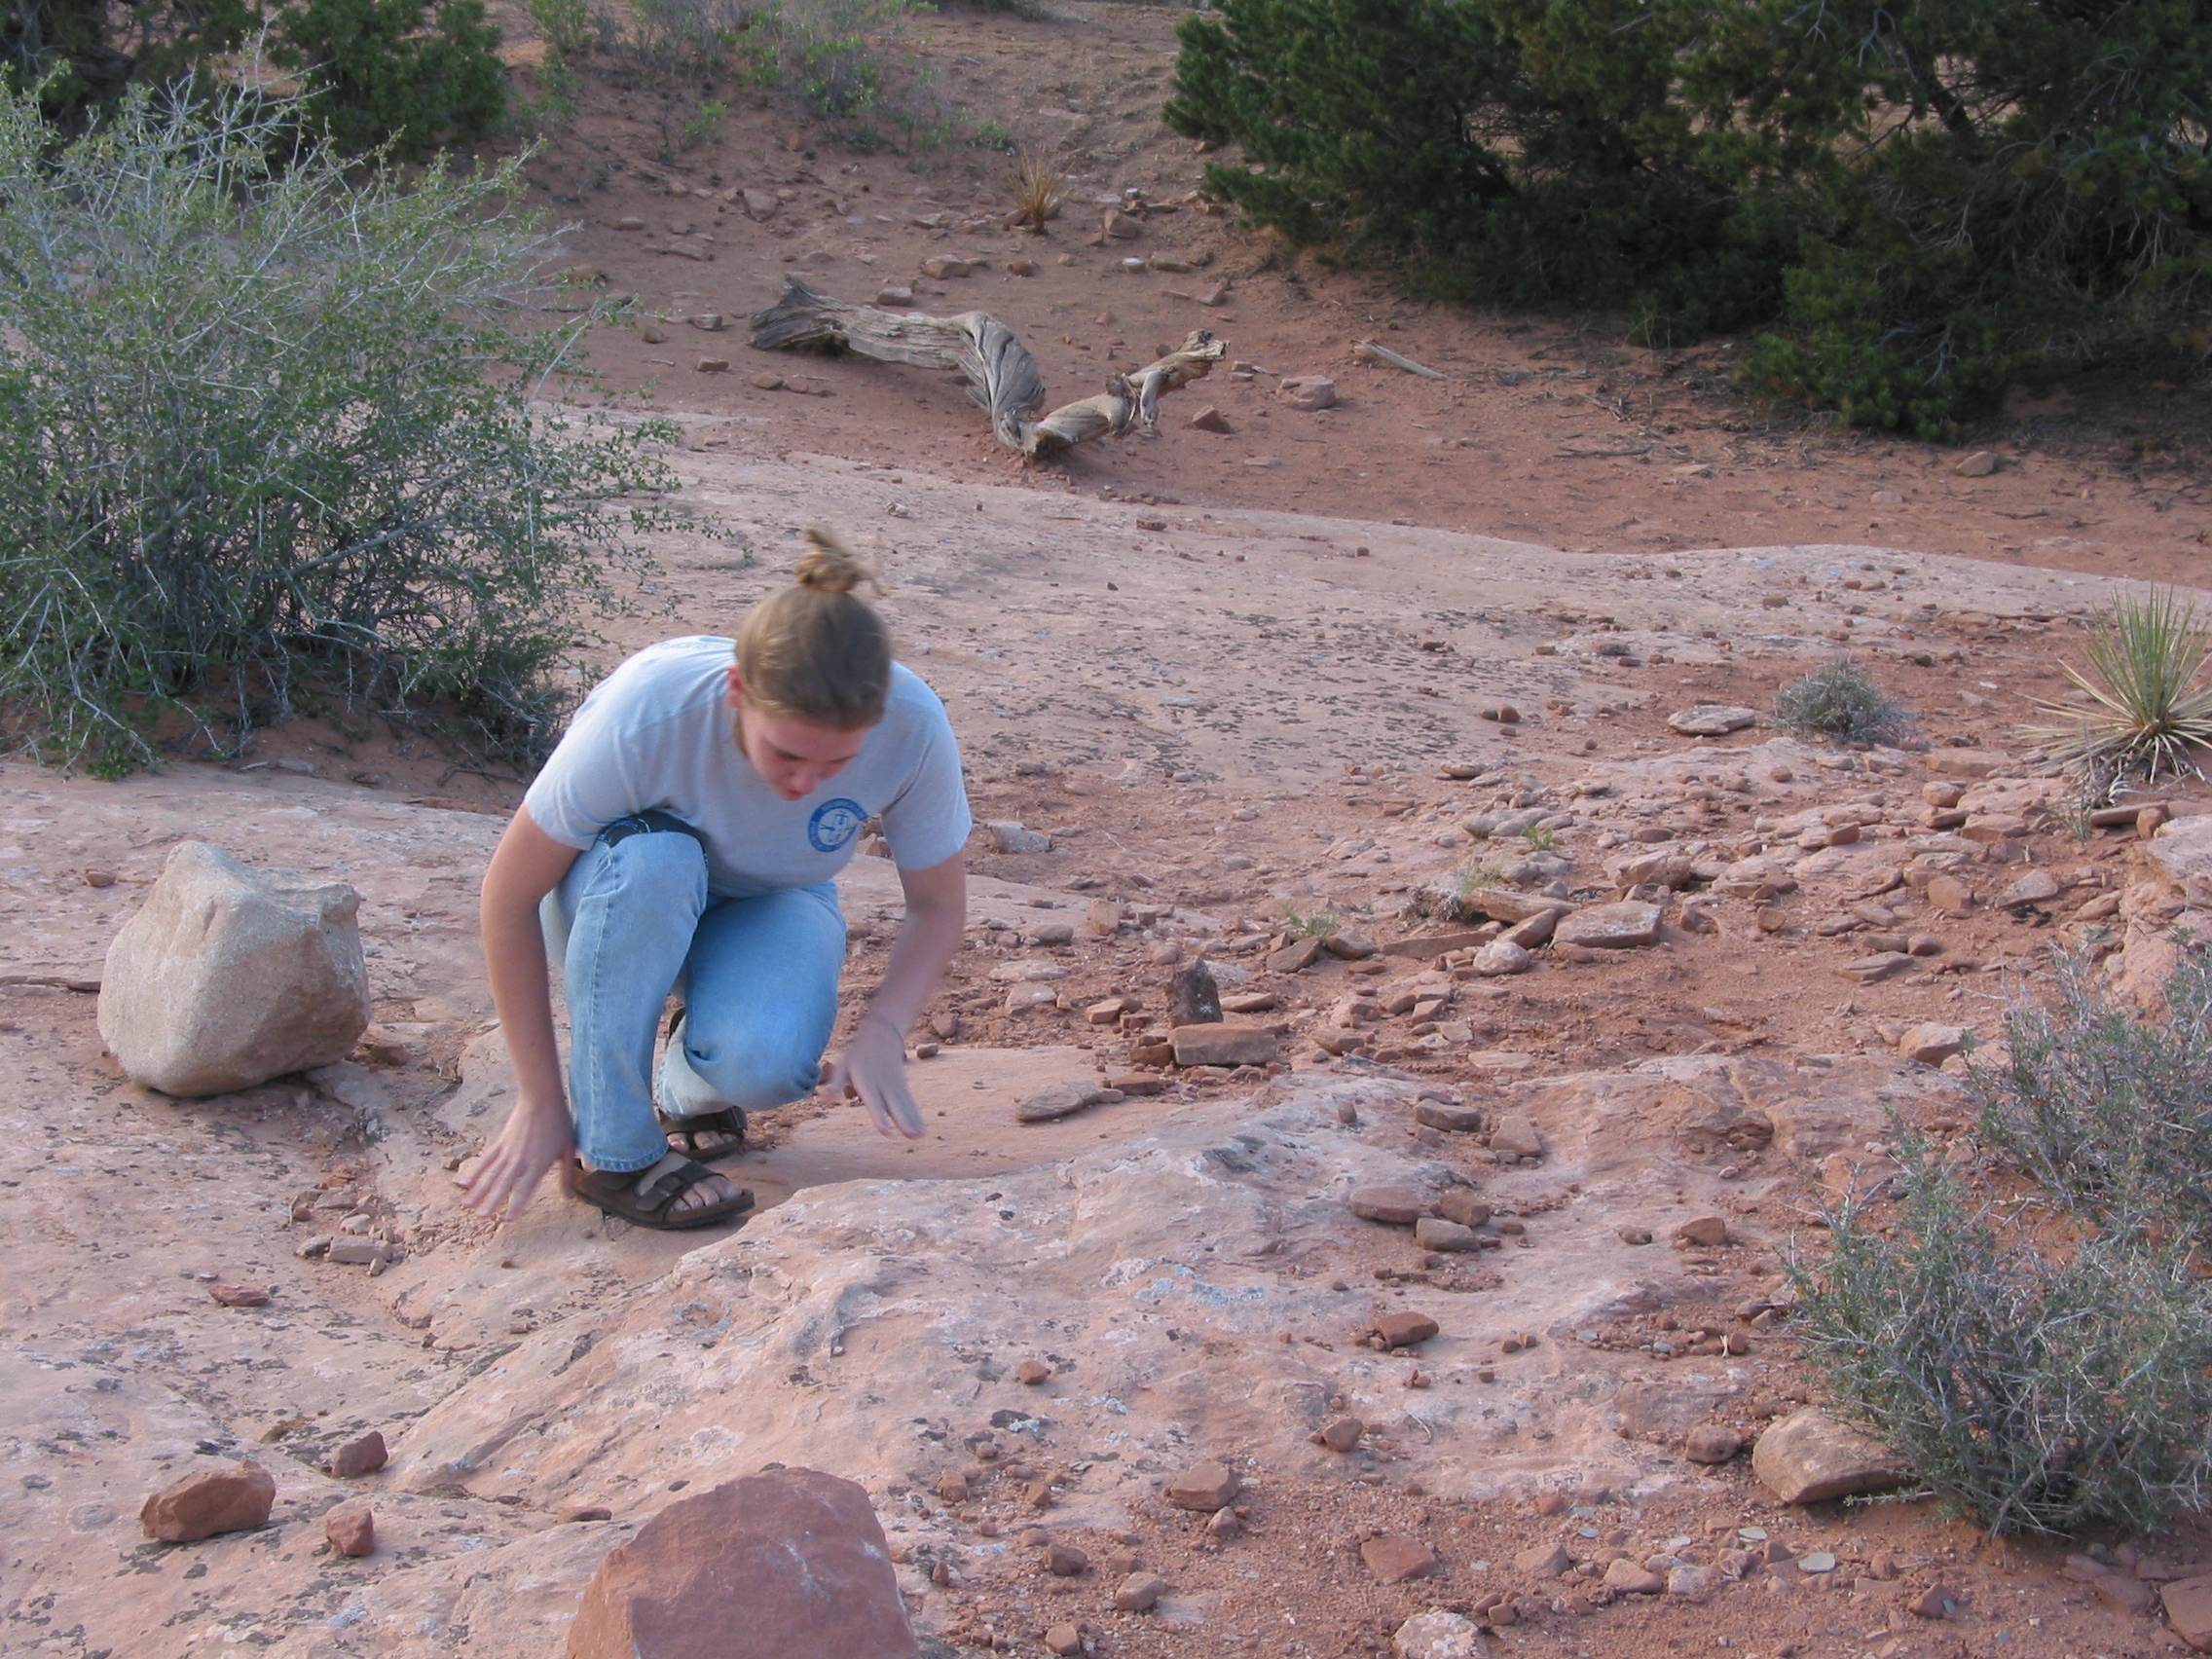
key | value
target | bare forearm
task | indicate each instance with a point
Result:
(527, 865)
(927, 940)
(514, 953)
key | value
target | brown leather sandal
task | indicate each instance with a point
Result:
(616, 1194)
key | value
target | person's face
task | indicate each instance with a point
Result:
(795, 757)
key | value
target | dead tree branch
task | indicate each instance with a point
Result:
(1002, 377)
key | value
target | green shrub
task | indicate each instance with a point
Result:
(269, 439)
(829, 53)
(79, 54)
(566, 26)
(415, 75)
(2035, 1390)
(1841, 704)
(682, 37)
(2110, 1113)
(1930, 197)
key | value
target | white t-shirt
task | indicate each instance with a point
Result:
(657, 732)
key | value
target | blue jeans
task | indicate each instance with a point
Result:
(758, 977)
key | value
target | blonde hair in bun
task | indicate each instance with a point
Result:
(815, 651)
(831, 566)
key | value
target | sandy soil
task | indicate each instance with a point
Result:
(1548, 427)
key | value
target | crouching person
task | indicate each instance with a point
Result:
(684, 837)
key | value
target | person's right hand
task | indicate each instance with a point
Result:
(537, 1137)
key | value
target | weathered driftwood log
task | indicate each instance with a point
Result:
(1002, 377)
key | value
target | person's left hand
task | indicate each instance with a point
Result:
(873, 1067)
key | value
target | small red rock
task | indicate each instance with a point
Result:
(1063, 1639)
(2129, 1595)
(362, 1457)
(1393, 1561)
(1139, 1592)
(1404, 1330)
(1342, 1433)
(351, 1529)
(1307, 391)
(237, 1296)
(1712, 1443)
(1631, 1579)
(1464, 1207)
(1032, 1372)
(1937, 1603)
(1544, 1561)
(577, 1512)
(952, 1487)
(1065, 1560)
(1705, 1231)
(2187, 1605)
(1210, 419)
(1203, 1486)
(210, 1502)
(1393, 1207)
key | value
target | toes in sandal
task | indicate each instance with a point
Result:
(729, 1121)
(616, 1194)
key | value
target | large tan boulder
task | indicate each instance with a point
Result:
(231, 975)
(768, 1567)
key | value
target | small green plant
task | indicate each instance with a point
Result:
(2151, 712)
(2110, 1113)
(2037, 1390)
(564, 26)
(1842, 705)
(991, 137)
(1474, 877)
(1540, 839)
(704, 122)
(277, 431)
(1310, 924)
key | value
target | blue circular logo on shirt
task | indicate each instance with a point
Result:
(834, 823)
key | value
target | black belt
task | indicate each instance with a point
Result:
(649, 822)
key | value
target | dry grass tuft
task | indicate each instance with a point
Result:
(1039, 189)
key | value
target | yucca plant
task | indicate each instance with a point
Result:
(2149, 713)
(1039, 188)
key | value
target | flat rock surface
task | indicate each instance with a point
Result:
(1153, 1254)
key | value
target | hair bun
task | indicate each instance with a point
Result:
(829, 565)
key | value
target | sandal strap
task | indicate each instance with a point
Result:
(672, 1185)
(728, 1121)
